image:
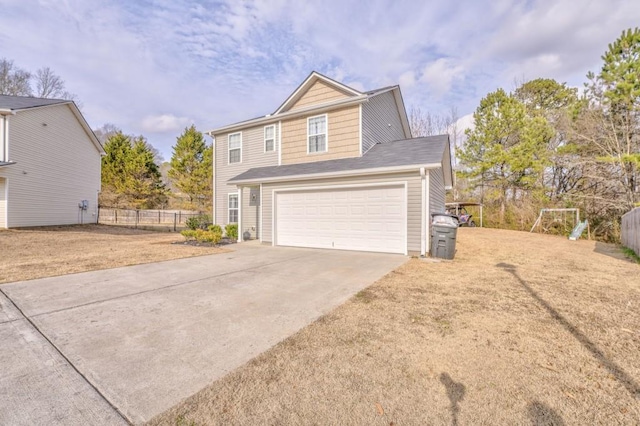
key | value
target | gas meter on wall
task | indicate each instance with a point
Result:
(83, 205)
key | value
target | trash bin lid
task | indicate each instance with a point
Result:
(444, 219)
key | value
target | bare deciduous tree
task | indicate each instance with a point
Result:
(13, 80)
(427, 124)
(48, 85)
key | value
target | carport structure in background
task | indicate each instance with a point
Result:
(456, 206)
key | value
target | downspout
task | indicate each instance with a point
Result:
(4, 133)
(215, 190)
(423, 230)
(239, 215)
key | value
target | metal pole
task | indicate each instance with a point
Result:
(175, 216)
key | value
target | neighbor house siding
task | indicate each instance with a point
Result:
(343, 140)
(414, 200)
(57, 166)
(3, 202)
(319, 93)
(436, 191)
(380, 121)
(253, 155)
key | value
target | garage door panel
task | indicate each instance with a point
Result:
(367, 219)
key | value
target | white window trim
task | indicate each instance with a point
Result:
(326, 134)
(229, 147)
(275, 139)
(237, 209)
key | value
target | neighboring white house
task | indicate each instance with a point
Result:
(49, 163)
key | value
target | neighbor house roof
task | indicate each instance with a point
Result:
(428, 152)
(15, 103)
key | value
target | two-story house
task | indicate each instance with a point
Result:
(49, 163)
(331, 168)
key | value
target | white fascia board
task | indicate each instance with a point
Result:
(345, 173)
(292, 114)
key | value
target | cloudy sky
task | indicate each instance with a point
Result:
(152, 67)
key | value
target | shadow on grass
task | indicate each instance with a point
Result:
(455, 392)
(610, 250)
(622, 376)
(543, 415)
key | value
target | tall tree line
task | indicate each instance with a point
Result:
(547, 145)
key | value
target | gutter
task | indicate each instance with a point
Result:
(314, 176)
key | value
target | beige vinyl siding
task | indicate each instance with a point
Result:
(436, 191)
(414, 200)
(253, 155)
(3, 202)
(319, 93)
(380, 121)
(57, 166)
(343, 139)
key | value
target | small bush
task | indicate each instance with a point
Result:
(232, 231)
(212, 237)
(215, 228)
(188, 234)
(198, 222)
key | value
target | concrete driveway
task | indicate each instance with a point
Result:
(122, 345)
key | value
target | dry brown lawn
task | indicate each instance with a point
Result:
(57, 250)
(519, 329)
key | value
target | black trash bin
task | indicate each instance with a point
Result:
(444, 228)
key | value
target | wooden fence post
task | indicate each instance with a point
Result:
(175, 216)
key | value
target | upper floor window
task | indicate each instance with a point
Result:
(270, 138)
(235, 147)
(317, 133)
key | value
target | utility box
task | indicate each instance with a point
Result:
(444, 229)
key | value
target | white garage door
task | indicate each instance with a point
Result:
(366, 219)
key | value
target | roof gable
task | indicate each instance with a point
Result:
(316, 89)
(15, 104)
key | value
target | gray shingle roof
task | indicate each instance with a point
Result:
(25, 102)
(407, 152)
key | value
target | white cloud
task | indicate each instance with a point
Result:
(220, 62)
(440, 74)
(407, 79)
(164, 123)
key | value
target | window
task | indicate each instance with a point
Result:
(270, 138)
(317, 133)
(235, 148)
(233, 208)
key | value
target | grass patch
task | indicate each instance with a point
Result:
(519, 328)
(631, 254)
